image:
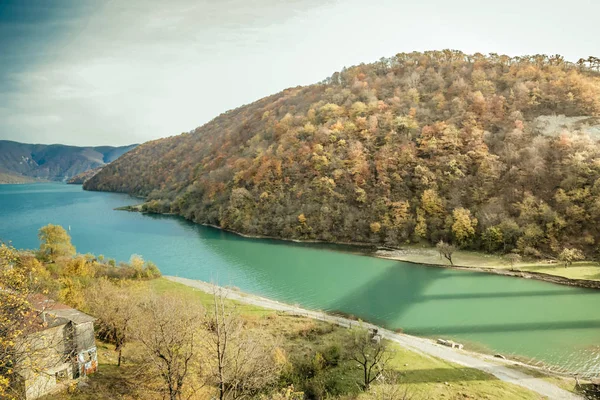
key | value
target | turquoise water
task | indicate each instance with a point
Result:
(555, 324)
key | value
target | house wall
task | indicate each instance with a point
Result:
(39, 385)
(67, 351)
(45, 353)
(85, 344)
(84, 336)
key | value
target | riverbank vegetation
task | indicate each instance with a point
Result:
(488, 153)
(160, 339)
(579, 270)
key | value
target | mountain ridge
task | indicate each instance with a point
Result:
(56, 162)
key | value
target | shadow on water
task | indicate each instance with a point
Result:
(504, 327)
(390, 294)
(506, 314)
(459, 296)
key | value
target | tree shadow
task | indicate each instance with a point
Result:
(390, 294)
(458, 296)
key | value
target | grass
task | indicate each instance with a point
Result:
(301, 338)
(586, 270)
(422, 376)
(564, 382)
(163, 285)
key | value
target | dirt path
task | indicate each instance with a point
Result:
(491, 365)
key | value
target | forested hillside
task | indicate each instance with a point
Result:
(23, 162)
(486, 152)
(80, 178)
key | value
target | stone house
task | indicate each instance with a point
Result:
(58, 350)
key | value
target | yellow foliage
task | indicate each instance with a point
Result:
(431, 203)
(421, 227)
(302, 219)
(79, 266)
(464, 225)
(55, 242)
(375, 227)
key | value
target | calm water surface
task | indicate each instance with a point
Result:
(555, 324)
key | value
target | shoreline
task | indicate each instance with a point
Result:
(502, 369)
(513, 272)
(383, 252)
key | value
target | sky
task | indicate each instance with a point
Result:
(95, 72)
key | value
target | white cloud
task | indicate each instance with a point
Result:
(137, 70)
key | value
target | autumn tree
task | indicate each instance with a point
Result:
(371, 354)
(239, 362)
(492, 238)
(18, 319)
(55, 242)
(464, 225)
(169, 329)
(13, 305)
(116, 307)
(568, 255)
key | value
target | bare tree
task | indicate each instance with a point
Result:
(170, 328)
(371, 353)
(445, 250)
(115, 307)
(391, 389)
(239, 362)
(512, 259)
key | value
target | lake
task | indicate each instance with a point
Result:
(554, 324)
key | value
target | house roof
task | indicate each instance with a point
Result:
(73, 315)
(58, 310)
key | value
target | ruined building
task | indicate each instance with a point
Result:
(60, 349)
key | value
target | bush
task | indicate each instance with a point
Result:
(332, 355)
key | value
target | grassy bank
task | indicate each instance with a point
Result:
(301, 338)
(583, 270)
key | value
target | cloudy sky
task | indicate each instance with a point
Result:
(93, 72)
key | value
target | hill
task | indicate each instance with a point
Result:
(82, 177)
(419, 147)
(6, 177)
(30, 162)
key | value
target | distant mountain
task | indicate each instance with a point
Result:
(12, 178)
(22, 162)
